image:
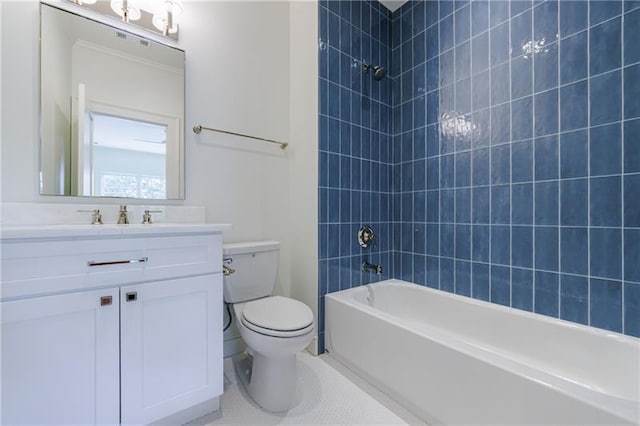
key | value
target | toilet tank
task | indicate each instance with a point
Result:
(255, 264)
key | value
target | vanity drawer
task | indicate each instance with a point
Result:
(37, 267)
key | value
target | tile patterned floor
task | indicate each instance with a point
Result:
(328, 393)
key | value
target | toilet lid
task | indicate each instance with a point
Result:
(278, 313)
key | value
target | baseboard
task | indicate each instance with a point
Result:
(191, 414)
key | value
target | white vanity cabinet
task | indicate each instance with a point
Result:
(123, 327)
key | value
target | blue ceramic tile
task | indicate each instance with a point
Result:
(519, 6)
(522, 161)
(574, 298)
(432, 107)
(631, 250)
(447, 275)
(546, 158)
(433, 173)
(480, 281)
(632, 309)
(407, 55)
(522, 289)
(573, 56)
(605, 201)
(499, 37)
(407, 25)
(419, 17)
(546, 248)
(632, 146)
(480, 90)
(431, 13)
(446, 7)
(521, 77)
(605, 146)
(500, 285)
(463, 60)
(605, 49)
(433, 272)
(463, 278)
(480, 159)
(574, 106)
(500, 124)
(606, 253)
(481, 136)
(522, 201)
(480, 52)
(480, 243)
(631, 90)
(522, 246)
(463, 242)
(447, 206)
(447, 178)
(419, 112)
(606, 304)
(433, 239)
(500, 84)
(463, 101)
(605, 98)
(546, 112)
(462, 19)
(433, 141)
(546, 69)
(631, 37)
(480, 205)
(574, 154)
(479, 16)
(463, 205)
(447, 239)
(546, 293)
(521, 33)
(630, 5)
(446, 33)
(433, 42)
(463, 169)
(500, 204)
(574, 243)
(632, 200)
(500, 249)
(546, 21)
(574, 205)
(601, 10)
(522, 118)
(419, 48)
(499, 11)
(573, 17)
(500, 164)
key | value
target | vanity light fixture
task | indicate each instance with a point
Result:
(156, 15)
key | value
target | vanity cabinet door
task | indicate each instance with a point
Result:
(171, 341)
(60, 359)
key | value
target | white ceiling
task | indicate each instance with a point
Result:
(392, 4)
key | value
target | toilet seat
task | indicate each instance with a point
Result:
(278, 316)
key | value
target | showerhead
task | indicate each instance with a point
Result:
(378, 72)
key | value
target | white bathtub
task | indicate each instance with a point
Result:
(453, 360)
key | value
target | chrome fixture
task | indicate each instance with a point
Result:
(155, 15)
(227, 270)
(96, 216)
(198, 129)
(146, 217)
(118, 262)
(369, 267)
(366, 236)
(123, 218)
(379, 72)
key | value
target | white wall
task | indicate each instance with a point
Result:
(239, 66)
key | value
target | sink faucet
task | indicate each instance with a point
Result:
(369, 267)
(123, 219)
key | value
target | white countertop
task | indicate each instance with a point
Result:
(8, 232)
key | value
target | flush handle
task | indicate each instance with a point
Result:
(131, 296)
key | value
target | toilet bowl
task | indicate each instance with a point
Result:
(274, 328)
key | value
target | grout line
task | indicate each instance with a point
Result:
(589, 164)
(622, 178)
(558, 153)
(533, 172)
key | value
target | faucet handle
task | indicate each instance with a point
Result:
(96, 216)
(146, 217)
(123, 208)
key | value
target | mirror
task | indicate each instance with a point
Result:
(112, 111)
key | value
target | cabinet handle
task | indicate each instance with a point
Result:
(118, 262)
(106, 300)
(132, 296)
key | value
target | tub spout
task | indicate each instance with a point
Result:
(368, 267)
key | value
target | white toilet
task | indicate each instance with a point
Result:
(274, 328)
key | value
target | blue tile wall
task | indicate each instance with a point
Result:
(355, 126)
(507, 151)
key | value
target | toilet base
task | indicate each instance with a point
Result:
(270, 381)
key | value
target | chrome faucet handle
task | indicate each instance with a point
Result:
(96, 216)
(146, 217)
(123, 219)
